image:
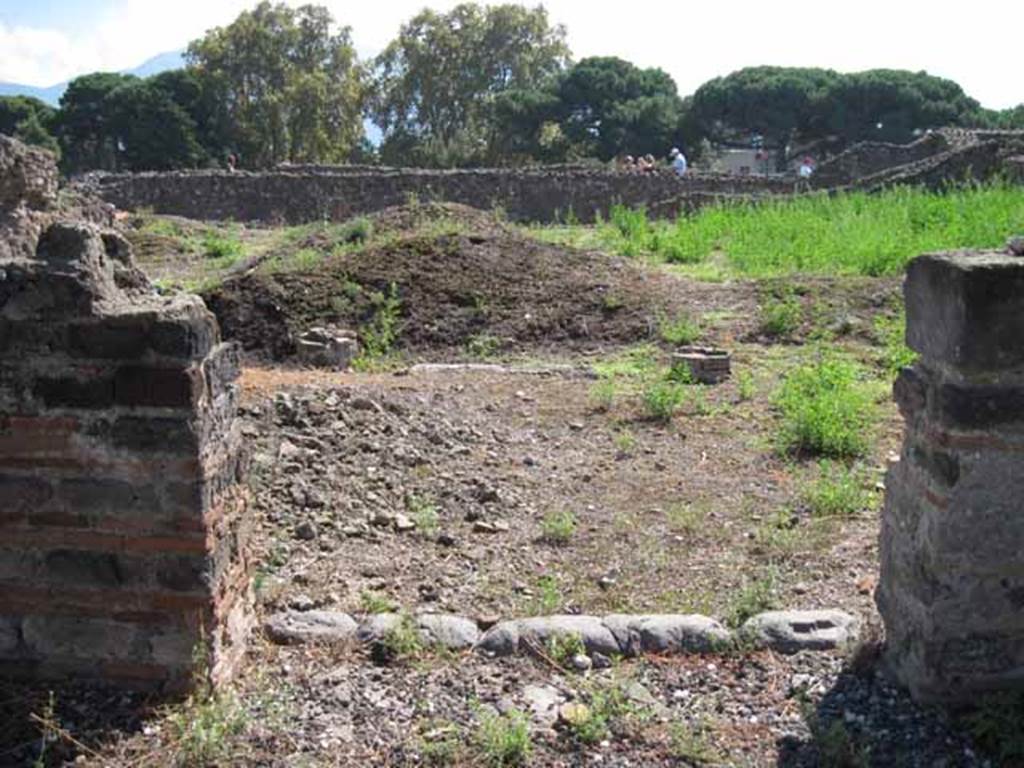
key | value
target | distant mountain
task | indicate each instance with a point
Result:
(51, 95)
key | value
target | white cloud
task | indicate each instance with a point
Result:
(976, 45)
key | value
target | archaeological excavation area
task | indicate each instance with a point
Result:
(376, 467)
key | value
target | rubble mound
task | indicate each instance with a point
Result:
(446, 280)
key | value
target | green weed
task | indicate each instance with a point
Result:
(890, 331)
(424, 515)
(680, 331)
(504, 740)
(379, 334)
(997, 726)
(557, 527)
(827, 409)
(745, 389)
(548, 597)
(374, 602)
(838, 491)
(754, 597)
(602, 394)
(662, 399)
(482, 345)
(781, 317)
(222, 248)
(564, 647)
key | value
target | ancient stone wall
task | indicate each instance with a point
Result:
(869, 157)
(951, 591)
(122, 522)
(310, 193)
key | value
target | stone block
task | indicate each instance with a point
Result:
(115, 338)
(76, 391)
(139, 385)
(967, 310)
(704, 365)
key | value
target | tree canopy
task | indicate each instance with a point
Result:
(286, 86)
(786, 102)
(436, 84)
(30, 120)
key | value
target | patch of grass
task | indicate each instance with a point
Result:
(504, 740)
(997, 727)
(602, 394)
(402, 641)
(636, 362)
(692, 745)
(374, 602)
(781, 316)
(203, 727)
(424, 515)
(482, 345)
(608, 707)
(625, 442)
(558, 526)
(687, 518)
(223, 248)
(849, 233)
(837, 491)
(827, 409)
(834, 743)
(755, 596)
(680, 330)
(612, 302)
(745, 388)
(662, 399)
(358, 230)
(563, 647)
(548, 598)
(890, 331)
(378, 336)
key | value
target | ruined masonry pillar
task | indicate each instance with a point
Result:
(951, 591)
(122, 522)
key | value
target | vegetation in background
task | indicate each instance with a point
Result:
(838, 491)
(379, 334)
(852, 233)
(827, 409)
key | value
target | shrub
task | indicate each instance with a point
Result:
(356, 231)
(374, 602)
(222, 247)
(753, 597)
(558, 527)
(838, 491)
(563, 647)
(827, 410)
(680, 331)
(504, 740)
(602, 394)
(662, 399)
(379, 334)
(781, 317)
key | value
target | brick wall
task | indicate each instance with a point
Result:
(122, 520)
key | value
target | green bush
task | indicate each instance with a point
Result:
(827, 410)
(838, 491)
(504, 740)
(222, 247)
(662, 399)
(558, 527)
(781, 316)
(680, 331)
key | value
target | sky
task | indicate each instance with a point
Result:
(978, 44)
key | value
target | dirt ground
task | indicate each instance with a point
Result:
(442, 490)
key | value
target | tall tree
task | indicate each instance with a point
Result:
(30, 120)
(437, 82)
(287, 85)
(891, 105)
(83, 125)
(612, 107)
(773, 101)
(150, 130)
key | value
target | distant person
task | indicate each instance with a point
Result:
(806, 169)
(627, 163)
(650, 164)
(678, 161)
(232, 162)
